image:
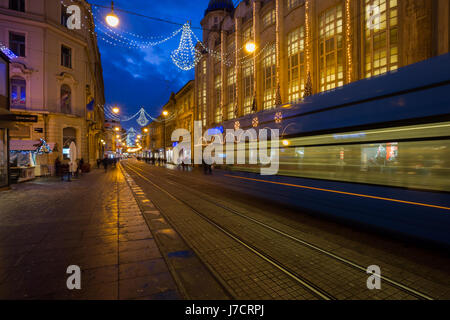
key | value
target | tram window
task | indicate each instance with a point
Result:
(415, 164)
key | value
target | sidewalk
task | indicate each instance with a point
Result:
(93, 222)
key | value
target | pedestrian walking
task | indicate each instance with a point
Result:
(98, 163)
(105, 164)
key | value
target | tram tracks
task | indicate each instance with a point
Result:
(302, 280)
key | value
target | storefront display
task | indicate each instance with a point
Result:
(4, 110)
(23, 156)
(3, 158)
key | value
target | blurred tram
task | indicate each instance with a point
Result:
(390, 130)
(375, 151)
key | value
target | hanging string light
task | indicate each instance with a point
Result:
(186, 56)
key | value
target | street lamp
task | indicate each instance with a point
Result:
(250, 47)
(145, 130)
(115, 110)
(117, 128)
(112, 19)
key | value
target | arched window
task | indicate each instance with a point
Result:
(18, 92)
(66, 99)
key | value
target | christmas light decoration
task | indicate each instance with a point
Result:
(186, 56)
(308, 39)
(255, 122)
(6, 51)
(348, 39)
(237, 125)
(278, 117)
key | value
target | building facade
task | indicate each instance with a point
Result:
(180, 115)
(305, 47)
(56, 76)
(4, 125)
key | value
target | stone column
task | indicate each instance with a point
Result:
(223, 71)
(256, 66)
(239, 44)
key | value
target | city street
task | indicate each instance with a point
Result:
(214, 152)
(260, 249)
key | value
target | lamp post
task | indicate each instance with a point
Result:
(165, 114)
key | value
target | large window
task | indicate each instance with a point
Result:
(381, 36)
(4, 76)
(202, 93)
(269, 18)
(291, 4)
(17, 44)
(269, 76)
(248, 34)
(18, 5)
(296, 64)
(218, 99)
(66, 57)
(3, 159)
(18, 93)
(231, 92)
(248, 82)
(66, 99)
(331, 49)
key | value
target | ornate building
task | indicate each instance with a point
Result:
(56, 76)
(180, 115)
(306, 47)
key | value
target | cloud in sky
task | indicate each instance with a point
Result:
(136, 78)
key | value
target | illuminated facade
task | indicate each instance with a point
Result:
(334, 42)
(57, 76)
(180, 115)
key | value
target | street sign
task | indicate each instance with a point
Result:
(18, 118)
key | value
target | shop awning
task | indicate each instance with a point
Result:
(27, 145)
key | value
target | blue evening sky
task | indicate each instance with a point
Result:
(136, 78)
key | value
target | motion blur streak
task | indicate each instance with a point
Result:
(340, 192)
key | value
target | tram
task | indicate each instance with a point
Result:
(391, 130)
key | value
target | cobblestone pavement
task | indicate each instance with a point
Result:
(247, 276)
(93, 222)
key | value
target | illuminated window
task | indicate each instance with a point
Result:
(296, 64)
(248, 81)
(269, 76)
(218, 98)
(331, 49)
(269, 18)
(201, 95)
(18, 92)
(381, 36)
(247, 34)
(231, 92)
(291, 4)
(204, 67)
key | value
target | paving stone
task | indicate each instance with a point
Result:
(105, 234)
